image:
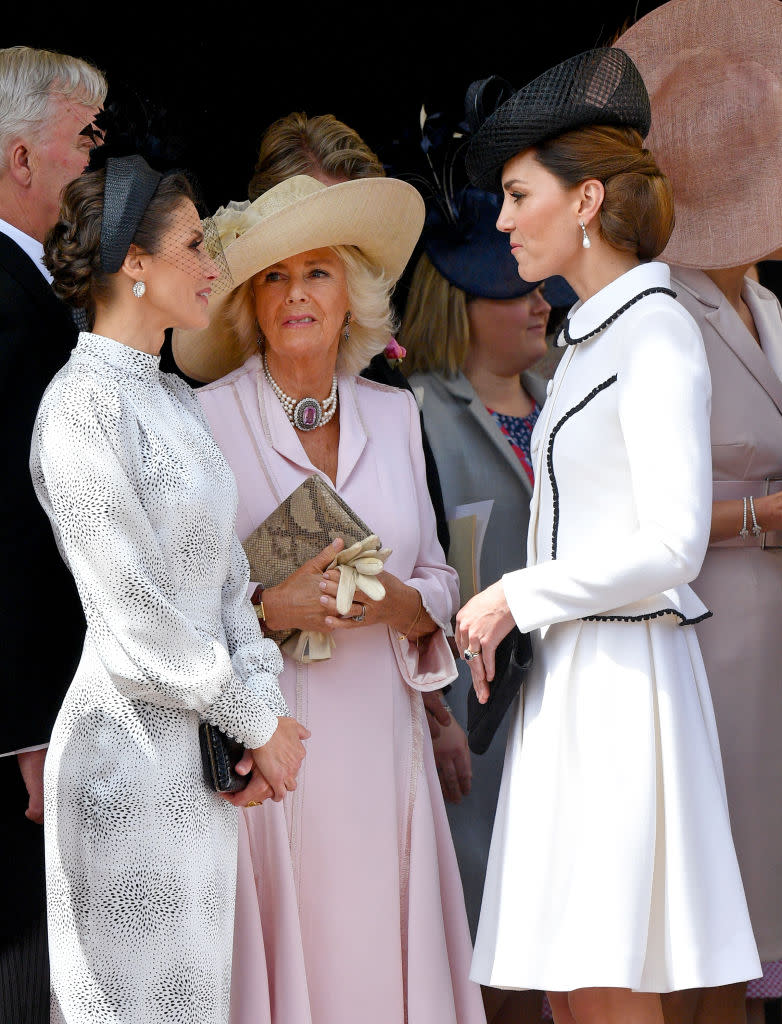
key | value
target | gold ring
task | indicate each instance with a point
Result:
(253, 803)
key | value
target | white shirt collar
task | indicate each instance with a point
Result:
(31, 246)
(586, 316)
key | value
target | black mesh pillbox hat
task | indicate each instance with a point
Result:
(600, 86)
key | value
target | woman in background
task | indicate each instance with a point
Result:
(473, 329)
(714, 75)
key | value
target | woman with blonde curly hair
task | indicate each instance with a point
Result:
(349, 895)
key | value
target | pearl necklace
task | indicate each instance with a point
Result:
(307, 413)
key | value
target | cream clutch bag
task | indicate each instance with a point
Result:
(301, 526)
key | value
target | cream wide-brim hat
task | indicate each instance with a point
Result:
(713, 69)
(383, 217)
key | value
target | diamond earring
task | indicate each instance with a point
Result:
(346, 332)
(139, 288)
(586, 243)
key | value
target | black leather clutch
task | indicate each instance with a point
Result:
(220, 755)
(512, 661)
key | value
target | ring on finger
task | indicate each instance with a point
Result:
(362, 616)
(469, 655)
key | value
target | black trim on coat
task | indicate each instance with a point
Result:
(550, 456)
(684, 621)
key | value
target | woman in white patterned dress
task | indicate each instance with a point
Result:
(140, 853)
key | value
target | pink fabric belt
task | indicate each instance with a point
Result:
(735, 490)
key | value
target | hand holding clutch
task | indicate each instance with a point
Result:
(359, 566)
(294, 536)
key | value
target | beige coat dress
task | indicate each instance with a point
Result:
(741, 582)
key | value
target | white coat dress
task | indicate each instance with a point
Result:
(140, 854)
(612, 862)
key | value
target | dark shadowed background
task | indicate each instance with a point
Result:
(223, 76)
(220, 77)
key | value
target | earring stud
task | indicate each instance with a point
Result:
(585, 241)
(139, 288)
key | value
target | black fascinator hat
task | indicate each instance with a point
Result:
(472, 254)
(460, 235)
(600, 86)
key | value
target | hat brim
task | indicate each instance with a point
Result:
(382, 217)
(714, 74)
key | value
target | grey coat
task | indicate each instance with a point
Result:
(475, 461)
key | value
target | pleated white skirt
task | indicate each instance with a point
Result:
(612, 862)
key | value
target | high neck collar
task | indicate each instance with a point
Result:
(117, 355)
(585, 317)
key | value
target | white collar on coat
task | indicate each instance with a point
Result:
(586, 316)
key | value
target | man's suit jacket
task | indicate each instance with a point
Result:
(40, 615)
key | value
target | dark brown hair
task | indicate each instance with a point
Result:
(72, 247)
(637, 212)
(297, 144)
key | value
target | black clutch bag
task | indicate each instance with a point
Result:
(512, 660)
(220, 755)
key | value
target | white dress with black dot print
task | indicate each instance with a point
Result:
(141, 854)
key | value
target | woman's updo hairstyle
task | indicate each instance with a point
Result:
(72, 247)
(636, 215)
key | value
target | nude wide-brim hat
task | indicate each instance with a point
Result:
(382, 217)
(713, 69)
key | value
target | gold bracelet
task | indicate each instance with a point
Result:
(404, 636)
(257, 603)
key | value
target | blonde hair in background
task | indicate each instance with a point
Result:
(372, 322)
(435, 329)
(297, 144)
(28, 80)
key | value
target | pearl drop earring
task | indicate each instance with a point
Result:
(585, 241)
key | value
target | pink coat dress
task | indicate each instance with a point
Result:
(349, 904)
